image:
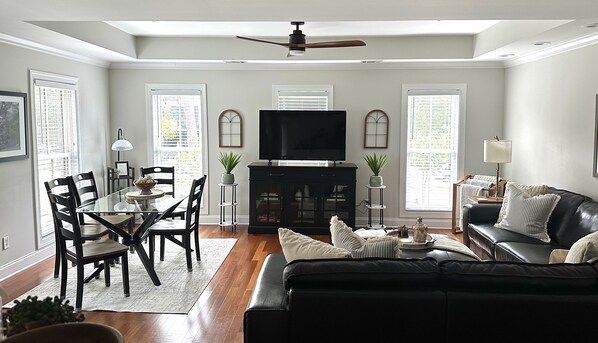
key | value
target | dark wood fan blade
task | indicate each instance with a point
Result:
(264, 41)
(332, 44)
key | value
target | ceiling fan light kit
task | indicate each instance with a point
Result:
(297, 43)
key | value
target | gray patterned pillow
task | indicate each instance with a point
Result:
(343, 237)
(528, 215)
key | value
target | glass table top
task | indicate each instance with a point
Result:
(118, 202)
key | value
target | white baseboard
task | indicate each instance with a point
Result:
(26, 261)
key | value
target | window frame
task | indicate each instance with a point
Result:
(184, 89)
(328, 90)
(69, 82)
(430, 89)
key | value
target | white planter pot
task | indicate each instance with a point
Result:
(376, 181)
(227, 179)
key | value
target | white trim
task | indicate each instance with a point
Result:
(553, 51)
(188, 89)
(314, 65)
(25, 44)
(456, 88)
(26, 261)
(58, 81)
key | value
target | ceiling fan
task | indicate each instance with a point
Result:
(297, 44)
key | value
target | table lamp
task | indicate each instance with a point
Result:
(497, 151)
(121, 144)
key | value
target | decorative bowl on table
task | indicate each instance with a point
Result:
(145, 184)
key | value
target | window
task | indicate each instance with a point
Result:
(55, 139)
(179, 132)
(316, 98)
(432, 147)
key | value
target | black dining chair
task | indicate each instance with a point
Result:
(169, 228)
(89, 231)
(81, 253)
(86, 191)
(164, 176)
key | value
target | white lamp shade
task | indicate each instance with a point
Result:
(122, 145)
(497, 151)
(296, 52)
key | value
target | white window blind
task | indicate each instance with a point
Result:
(55, 113)
(178, 133)
(311, 98)
(432, 148)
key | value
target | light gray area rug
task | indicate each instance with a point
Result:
(177, 294)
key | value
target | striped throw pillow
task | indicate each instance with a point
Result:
(296, 246)
(343, 237)
(532, 190)
(528, 215)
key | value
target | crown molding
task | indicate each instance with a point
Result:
(312, 65)
(553, 51)
(51, 51)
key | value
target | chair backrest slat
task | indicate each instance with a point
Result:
(162, 175)
(194, 203)
(64, 211)
(84, 190)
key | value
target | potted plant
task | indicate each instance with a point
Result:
(32, 313)
(376, 164)
(229, 161)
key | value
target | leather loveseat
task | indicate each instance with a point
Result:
(421, 300)
(574, 216)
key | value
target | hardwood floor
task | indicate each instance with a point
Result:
(218, 314)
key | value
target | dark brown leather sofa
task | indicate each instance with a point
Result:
(574, 216)
(421, 300)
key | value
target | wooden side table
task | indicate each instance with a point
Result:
(486, 200)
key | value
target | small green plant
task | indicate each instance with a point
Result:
(229, 161)
(34, 312)
(376, 163)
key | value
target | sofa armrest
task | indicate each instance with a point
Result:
(266, 318)
(478, 214)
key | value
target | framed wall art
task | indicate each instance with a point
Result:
(122, 168)
(230, 127)
(13, 126)
(595, 167)
(375, 133)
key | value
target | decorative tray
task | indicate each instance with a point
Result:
(135, 195)
(408, 243)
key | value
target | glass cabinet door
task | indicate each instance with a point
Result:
(336, 201)
(268, 203)
(302, 205)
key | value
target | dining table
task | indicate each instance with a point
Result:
(150, 207)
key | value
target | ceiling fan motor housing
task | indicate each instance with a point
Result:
(297, 37)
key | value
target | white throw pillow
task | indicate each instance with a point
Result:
(532, 190)
(584, 249)
(296, 246)
(528, 215)
(344, 237)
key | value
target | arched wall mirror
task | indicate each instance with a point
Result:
(230, 129)
(376, 130)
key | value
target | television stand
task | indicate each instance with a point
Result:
(301, 198)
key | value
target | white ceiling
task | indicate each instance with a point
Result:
(184, 32)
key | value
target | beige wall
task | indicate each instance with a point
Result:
(16, 177)
(550, 116)
(357, 91)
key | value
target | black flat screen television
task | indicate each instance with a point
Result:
(303, 135)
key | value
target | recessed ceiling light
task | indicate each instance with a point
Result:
(507, 55)
(540, 43)
(591, 25)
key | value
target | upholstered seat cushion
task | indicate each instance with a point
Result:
(524, 252)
